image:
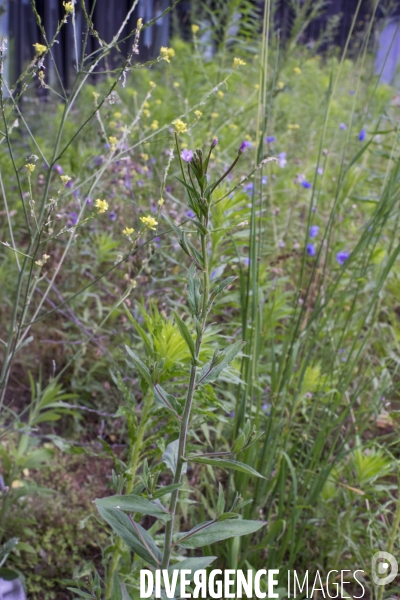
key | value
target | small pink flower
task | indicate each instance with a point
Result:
(187, 155)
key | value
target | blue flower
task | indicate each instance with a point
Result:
(314, 229)
(246, 261)
(282, 160)
(72, 218)
(249, 187)
(112, 215)
(343, 126)
(190, 214)
(361, 136)
(306, 184)
(311, 250)
(342, 256)
(244, 145)
(270, 138)
(264, 180)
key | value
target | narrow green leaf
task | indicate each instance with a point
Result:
(210, 372)
(80, 593)
(134, 504)
(166, 400)
(170, 456)
(220, 501)
(185, 334)
(141, 367)
(211, 532)
(166, 490)
(123, 527)
(225, 463)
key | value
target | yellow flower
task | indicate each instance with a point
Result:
(295, 126)
(42, 260)
(154, 125)
(220, 94)
(146, 104)
(176, 84)
(257, 86)
(101, 205)
(233, 125)
(16, 484)
(30, 168)
(167, 53)
(160, 202)
(238, 62)
(128, 231)
(195, 28)
(297, 71)
(117, 114)
(146, 113)
(198, 113)
(214, 115)
(39, 49)
(158, 101)
(280, 85)
(113, 142)
(65, 179)
(149, 222)
(69, 7)
(152, 84)
(139, 23)
(180, 126)
(144, 156)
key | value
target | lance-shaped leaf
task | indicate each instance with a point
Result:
(192, 565)
(141, 367)
(167, 400)
(134, 536)
(211, 532)
(219, 289)
(134, 504)
(185, 244)
(167, 489)
(225, 463)
(185, 334)
(213, 368)
(170, 456)
(193, 292)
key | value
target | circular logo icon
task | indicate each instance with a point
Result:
(384, 568)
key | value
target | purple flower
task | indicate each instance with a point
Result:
(264, 180)
(190, 214)
(270, 138)
(187, 155)
(58, 169)
(72, 218)
(282, 160)
(352, 92)
(314, 229)
(311, 250)
(342, 256)
(246, 261)
(266, 407)
(89, 201)
(306, 184)
(214, 142)
(361, 136)
(343, 126)
(213, 274)
(320, 171)
(244, 145)
(248, 188)
(112, 215)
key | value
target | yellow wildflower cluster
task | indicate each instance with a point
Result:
(152, 84)
(39, 49)
(65, 179)
(195, 28)
(297, 71)
(180, 126)
(160, 202)
(198, 113)
(167, 53)
(139, 23)
(295, 126)
(220, 94)
(238, 62)
(154, 125)
(30, 168)
(101, 205)
(69, 7)
(128, 231)
(113, 142)
(280, 85)
(176, 84)
(158, 101)
(214, 115)
(146, 113)
(149, 222)
(42, 260)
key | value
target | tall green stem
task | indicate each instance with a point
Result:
(187, 409)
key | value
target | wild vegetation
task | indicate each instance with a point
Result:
(199, 310)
